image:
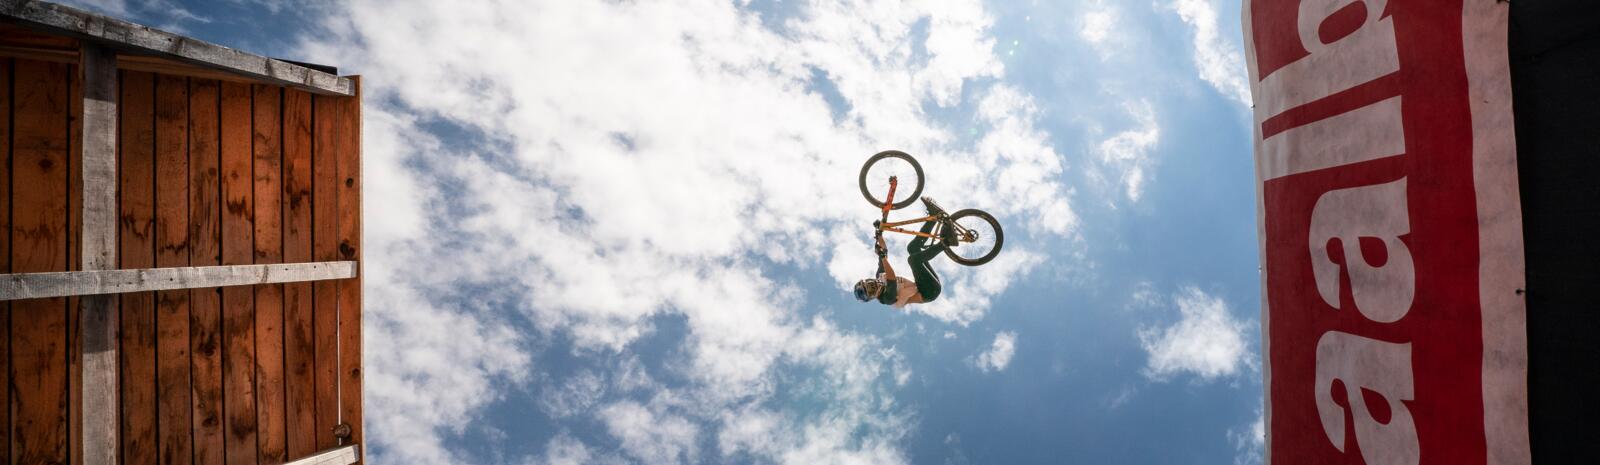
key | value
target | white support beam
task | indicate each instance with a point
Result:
(342, 456)
(99, 282)
(99, 252)
(130, 37)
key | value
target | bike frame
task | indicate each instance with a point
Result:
(885, 225)
(895, 226)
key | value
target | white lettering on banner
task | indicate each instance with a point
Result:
(1330, 142)
(1371, 308)
(1383, 291)
(1368, 53)
(1383, 368)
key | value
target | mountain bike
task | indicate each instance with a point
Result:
(977, 237)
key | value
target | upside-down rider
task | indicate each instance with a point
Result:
(890, 289)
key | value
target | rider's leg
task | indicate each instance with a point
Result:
(921, 271)
(920, 242)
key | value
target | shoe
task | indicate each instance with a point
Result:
(933, 207)
(947, 234)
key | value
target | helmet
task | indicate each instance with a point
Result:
(867, 289)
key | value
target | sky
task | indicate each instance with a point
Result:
(626, 231)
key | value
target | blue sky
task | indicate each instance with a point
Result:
(624, 232)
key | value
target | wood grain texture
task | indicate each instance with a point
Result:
(349, 155)
(325, 246)
(205, 226)
(5, 256)
(267, 142)
(238, 245)
(40, 167)
(299, 352)
(97, 316)
(136, 249)
(75, 259)
(205, 173)
(19, 286)
(173, 415)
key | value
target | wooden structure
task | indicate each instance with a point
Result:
(180, 237)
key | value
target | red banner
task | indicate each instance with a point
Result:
(1391, 232)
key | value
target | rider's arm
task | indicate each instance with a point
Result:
(886, 271)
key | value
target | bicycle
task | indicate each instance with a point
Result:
(977, 235)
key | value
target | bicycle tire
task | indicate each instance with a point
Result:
(916, 191)
(999, 238)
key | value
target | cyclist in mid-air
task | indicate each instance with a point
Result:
(889, 289)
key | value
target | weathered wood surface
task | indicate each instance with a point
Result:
(205, 305)
(5, 256)
(325, 246)
(299, 353)
(214, 367)
(39, 243)
(58, 284)
(238, 304)
(84, 25)
(349, 155)
(136, 240)
(97, 315)
(174, 416)
(75, 256)
(267, 142)
(147, 64)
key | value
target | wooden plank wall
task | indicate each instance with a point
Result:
(209, 172)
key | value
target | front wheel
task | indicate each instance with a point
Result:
(978, 237)
(875, 175)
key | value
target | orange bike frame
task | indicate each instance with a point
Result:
(885, 225)
(895, 226)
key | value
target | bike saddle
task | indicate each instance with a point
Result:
(933, 207)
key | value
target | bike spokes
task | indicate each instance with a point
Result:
(978, 237)
(875, 174)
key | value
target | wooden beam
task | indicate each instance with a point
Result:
(127, 62)
(70, 283)
(342, 456)
(126, 36)
(99, 330)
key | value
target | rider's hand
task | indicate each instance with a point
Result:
(882, 249)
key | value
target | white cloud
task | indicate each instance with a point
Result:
(1127, 154)
(118, 8)
(170, 14)
(1145, 296)
(651, 437)
(1219, 61)
(999, 354)
(563, 449)
(588, 167)
(1249, 442)
(1122, 397)
(1206, 341)
(577, 395)
(1098, 24)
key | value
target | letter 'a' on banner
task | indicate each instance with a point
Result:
(1390, 225)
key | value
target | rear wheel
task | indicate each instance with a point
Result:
(875, 178)
(979, 237)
